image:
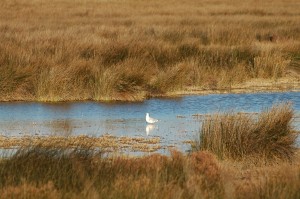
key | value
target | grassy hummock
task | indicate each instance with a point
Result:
(268, 135)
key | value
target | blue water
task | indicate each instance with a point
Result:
(177, 115)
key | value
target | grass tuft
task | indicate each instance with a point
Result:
(239, 136)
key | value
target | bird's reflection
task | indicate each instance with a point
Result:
(149, 128)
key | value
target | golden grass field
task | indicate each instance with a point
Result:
(63, 50)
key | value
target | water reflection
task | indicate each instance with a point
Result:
(7, 152)
(61, 127)
(59, 106)
(149, 128)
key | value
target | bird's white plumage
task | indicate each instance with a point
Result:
(150, 120)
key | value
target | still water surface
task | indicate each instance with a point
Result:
(178, 116)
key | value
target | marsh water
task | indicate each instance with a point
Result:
(179, 118)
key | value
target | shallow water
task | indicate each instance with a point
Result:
(179, 117)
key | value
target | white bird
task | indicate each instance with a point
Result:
(150, 120)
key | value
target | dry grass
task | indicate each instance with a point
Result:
(267, 136)
(57, 173)
(129, 50)
(83, 173)
(277, 180)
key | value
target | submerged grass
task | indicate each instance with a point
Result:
(237, 136)
(129, 50)
(106, 143)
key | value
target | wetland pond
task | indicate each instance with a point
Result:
(179, 118)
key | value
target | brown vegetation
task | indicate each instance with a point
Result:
(84, 173)
(275, 180)
(57, 173)
(128, 50)
(267, 136)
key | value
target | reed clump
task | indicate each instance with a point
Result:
(268, 136)
(103, 50)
